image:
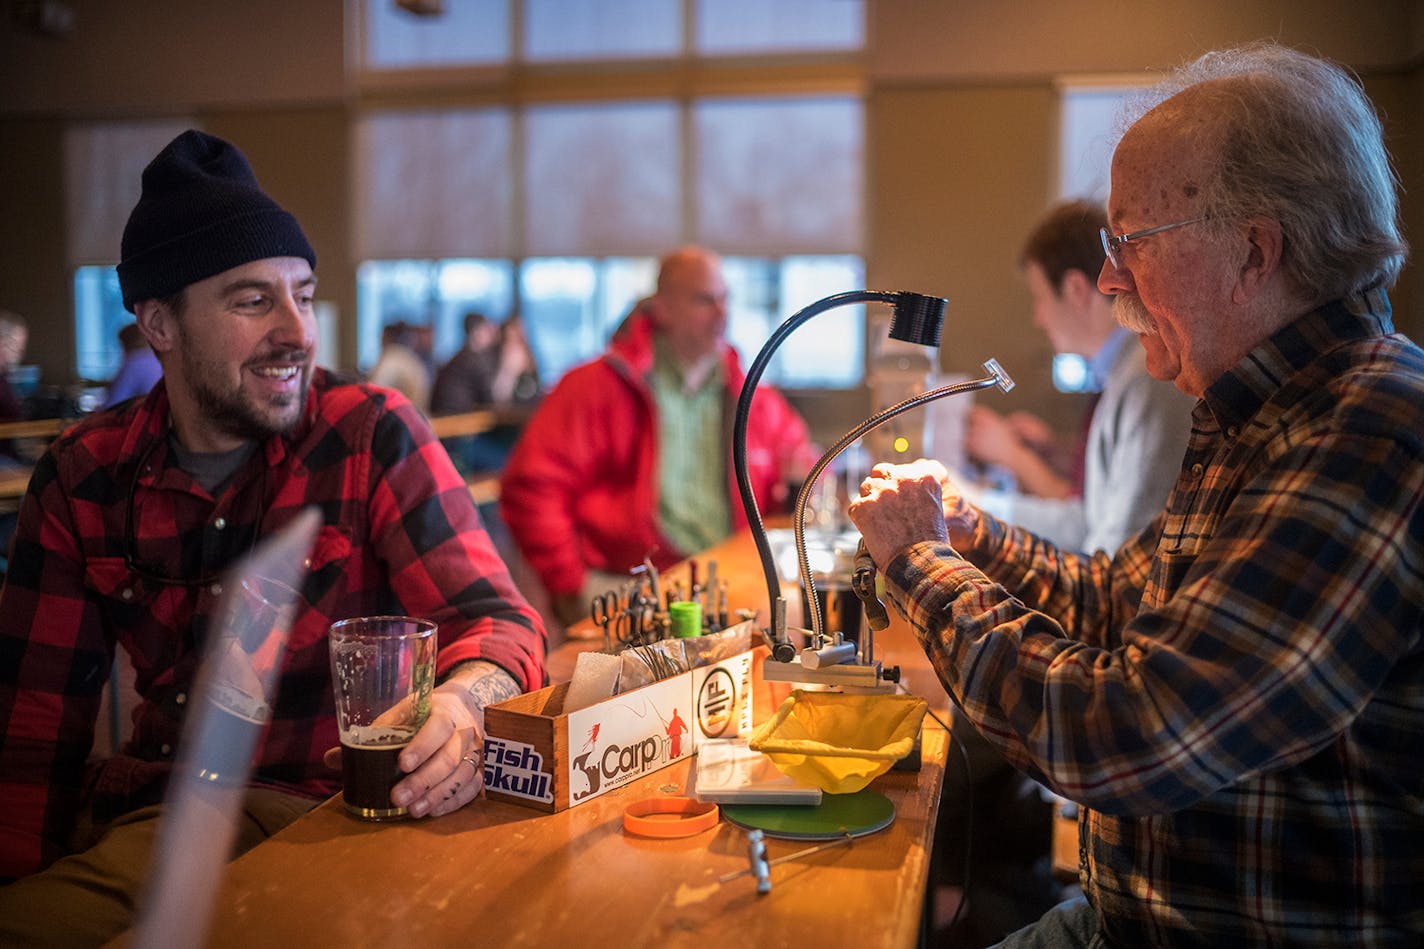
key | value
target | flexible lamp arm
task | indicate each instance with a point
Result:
(917, 319)
(996, 377)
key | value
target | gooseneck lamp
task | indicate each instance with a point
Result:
(916, 318)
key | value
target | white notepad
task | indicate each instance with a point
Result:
(728, 772)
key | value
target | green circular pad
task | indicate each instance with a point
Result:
(858, 814)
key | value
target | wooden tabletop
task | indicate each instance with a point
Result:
(13, 483)
(496, 873)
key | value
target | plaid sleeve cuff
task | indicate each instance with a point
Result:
(925, 580)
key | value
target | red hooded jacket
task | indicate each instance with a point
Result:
(581, 487)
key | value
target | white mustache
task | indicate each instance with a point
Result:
(1133, 316)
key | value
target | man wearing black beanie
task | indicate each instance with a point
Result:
(135, 513)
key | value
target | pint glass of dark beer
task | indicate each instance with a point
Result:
(382, 668)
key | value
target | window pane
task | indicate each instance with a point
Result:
(1089, 135)
(626, 281)
(596, 29)
(465, 286)
(435, 293)
(464, 34)
(752, 309)
(388, 291)
(434, 184)
(99, 314)
(571, 306)
(602, 180)
(557, 297)
(764, 26)
(829, 351)
(779, 175)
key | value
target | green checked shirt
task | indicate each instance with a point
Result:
(692, 456)
(1247, 743)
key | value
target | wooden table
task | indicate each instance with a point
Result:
(479, 421)
(14, 482)
(498, 874)
(32, 435)
(45, 428)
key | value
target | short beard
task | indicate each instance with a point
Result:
(1133, 316)
(229, 410)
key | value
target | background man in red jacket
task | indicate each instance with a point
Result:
(630, 455)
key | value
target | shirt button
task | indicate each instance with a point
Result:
(127, 593)
(220, 523)
(1197, 470)
(165, 749)
(1232, 432)
(216, 589)
(181, 698)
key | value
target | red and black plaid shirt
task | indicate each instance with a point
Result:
(400, 535)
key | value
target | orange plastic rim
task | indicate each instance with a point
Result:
(669, 817)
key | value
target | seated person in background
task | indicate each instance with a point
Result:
(139, 371)
(14, 336)
(630, 456)
(133, 513)
(1138, 425)
(495, 367)
(1235, 697)
(1044, 462)
(401, 365)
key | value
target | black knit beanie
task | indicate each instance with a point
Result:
(201, 212)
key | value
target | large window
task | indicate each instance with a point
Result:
(572, 305)
(558, 210)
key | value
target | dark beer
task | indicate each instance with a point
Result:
(369, 770)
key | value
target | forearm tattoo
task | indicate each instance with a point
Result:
(492, 684)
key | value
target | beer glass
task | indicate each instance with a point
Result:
(383, 669)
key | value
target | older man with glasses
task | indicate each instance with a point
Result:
(1236, 695)
(134, 516)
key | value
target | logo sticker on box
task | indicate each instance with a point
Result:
(627, 736)
(516, 769)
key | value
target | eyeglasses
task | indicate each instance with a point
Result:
(1111, 244)
(155, 572)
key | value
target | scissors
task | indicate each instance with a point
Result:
(605, 612)
(631, 627)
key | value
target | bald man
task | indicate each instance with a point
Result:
(629, 456)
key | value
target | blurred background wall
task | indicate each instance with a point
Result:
(961, 130)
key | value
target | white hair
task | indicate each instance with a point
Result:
(1299, 143)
